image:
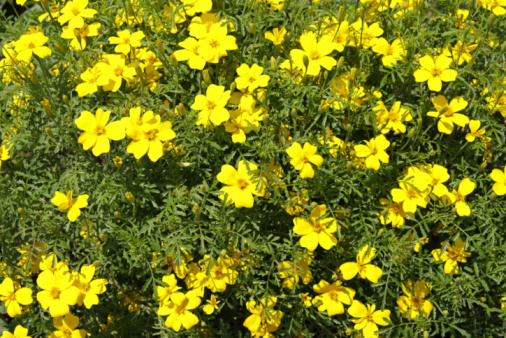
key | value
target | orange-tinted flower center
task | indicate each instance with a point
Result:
(459, 197)
(242, 184)
(314, 55)
(100, 130)
(436, 72)
(55, 293)
(31, 45)
(210, 105)
(318, 227)
(411, 193)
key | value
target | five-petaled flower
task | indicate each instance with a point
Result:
(241, 185)
(12, 294)
(126, 40)
(499, 177)
(74, 205)
(434, 71)
(332, 296)
(452, 255)
(365, 270)
(414, 300)
(368, 318)
(302, 157)
(374, 151)
(317, 231)
(447, 113)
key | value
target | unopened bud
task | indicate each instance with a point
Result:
(66, 99)
(340, 63)
(426, 334)
(411, 132)
(503, 47)
(491, 20)
(173, 60)
(252, 28)
(196, 209)
(349, 127)
(293, 112)
(432, 152)
(274, 63)
(47, 106)
(59, 48)
(354, 71)
(49, 132)
(394, 144)
(207, 78)
(326, 75)
(493, 196)
(129, 196)
(305, 61)
(117, 214)
(21, 211)
(233, 87)
(223, 252)
(203, 189)
(419, 121)
(310, 10)
(483, 299)
(445, 313)
(250, 291)
(181, 109)
(483, 166)
(264, 59)
(103, 237)
(160, 47)
(381, 232)
(35, 79)
(139, 72)
(348, 332)
(341, 14)
(321, 110)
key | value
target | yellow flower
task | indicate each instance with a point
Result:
(365, 36)
(165, 292)
(292, 272)
(116, 70)
(126, 40)
(97, 131)
(466, 187)
(439, 175)
(368, 319)
(374, 151)
(67, 327)
(218, 275)
(212, 105)
(293, 205)
(4, 153)
(303, 157)
(212, 304)
(118, 161)
(475, 131)
(435, 70)
(316, 52)
(414, 300)
(12, 294)
(317, 231)
(63, 202)
(277, 36)
(306, 299)
(451, 256)
(19, 332)
(251, 78)
(244, 119)
(391, 52)
(241, 185)
(89, 288)
(197, 53)
(332, 297)
(74, 12)
(58, 291)
(149, 138)
(93, 78)
(220, 43)
(369, 271)
(30, 44)
(393, 213)
(393, 119)
(447, 113)
(78, 35)
(461, 52)
(499, 177)
(178, 311)
(263, 314)
(503, 302)
(192, 7)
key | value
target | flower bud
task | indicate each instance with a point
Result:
(419, 121)
(411, 132)
(173, 60)
(59, 48)
(223, 252)
(251, 292)
(381, 232)
(103, 237)
(47, 106)
(139, 72)
(340, 16)
(394, 144)
(483, 299)
(21, 211)
(503, 47)
(196, 209)
(491, 20)
(348, 332)
(117, 214)
(206, 76)
(340, 63)
(203, 84)
(426, 334)
(349, 127)
(66, 99)
(293, 112)
(49, 132)
(274, 64)
(445, 313)
(160, 47)
(483, 166)
(432, 152)
(181, 109)
(252, 28)
(264, 59)
(203, 189)
(326, 75)
(129, 196)
(305, 61)
(493, 196)
(233, 87)
(34, 78)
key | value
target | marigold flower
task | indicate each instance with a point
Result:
(74, 12)
(178, 311)
(89, 288)
(197, 53)
(451, 256)
(220, 43)
(277, 36)
(116, 70)
(19, 332)
(126, 40)
(303, 157)
(241, 185)
(332, 296)
(394, 213)
(461, 52)
(364, 35)
(212, 304)
(12, 294)
(93, 78)
(368, 319)
(58, 291)
(447, 113)
(192, 7)
(244, 119)
(499, 177)
(369, 271)
(212, 105)
(435, 70)
(392, 119)
(74, 205)
(165, 292)
(293, 272)
(149, 140)
(30, 44)
(66, 326)
(475, 131)
(415, 292)
(439, 175)
(251, 78)
(263, 314)
(78, 35)
(316, 52)
(97, 131)
(391, 52)
(317, 231)
(466, 187)
(374, 151)
(412, 193)
(4, 153)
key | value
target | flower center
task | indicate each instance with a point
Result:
(31, 45)
(389, 50)
(242, 184)
(417, 301)
(436, 72)
(314, 55)
(459, 197)
(12, 296)
(85, 287)
(252, 79)
(126, 41)
(75, 11)
(411, 193)
(180, 309)
(100, 130)
(318, 227)
(374, 150)
(214, 43)
(392, 116)
(435, 182)
(334, 295)
(55, 293)
(211, 105)
(118, 71)
(452, 254)
(151, 135)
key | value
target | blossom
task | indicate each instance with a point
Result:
(452, 255)
(364, 35)
(212, 304)
(78, 35)
(475, 131)
(4, 153)
(212, 105)
(93, 78)
(368, 319)
(192, 7)
(392, 119)
(263, 314)
(66, 326)
(439, 175)
(317, 231)
(251, 78)
(178, 311)
(241, 185)
(97, 131)
(499, 177)
(116, 70)
(391, 52)
(415, 292)
(302, 157)
(332, 296)
(197, 53)
(435, 70)
(12, 294)
(466, 187)
(58, 291)
(19, 332)
(316, 52)
(461, 52)
(244, 119)
(89, 288)
(126, 40)
(413, 191)
(30, 44)
(277, 36)
(218, 275)
(74, 205)
(447, 113)
(74, 12)
(369, 271)
(393, 213)
(220, 42)
(165, 292)
(374, 151)
(292, 272)
(149, 139)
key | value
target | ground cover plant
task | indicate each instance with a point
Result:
(253, 168)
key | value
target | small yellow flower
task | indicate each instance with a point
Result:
(129, 196)
(303, 157)
(475, 131)
(466, 187)
(212, 105)
(447, 113)
(19, 332)
(316, 52)
(499, 177)
(368, 319)
(451, 256)
(316, 231)
(434, 71)
(30, 44)
(74, 12)
(241, 185)
(118, 161)
(58, 291)
(212, 304)
(12, 294)
(374, 151)
(89, 288)
(414, 300)
(332, 297)
(178, 311)
(392, 119)
(66, 326)
(277, 36)
(74, 205)
(365, 270)
(391, 52)
(126, 40)
(251, 78)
